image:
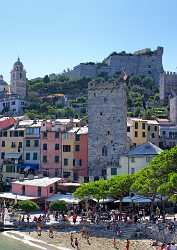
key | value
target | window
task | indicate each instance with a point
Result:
(21, 133)
(155, 128)
(36, 143)
(152, 135)
(57, 134)
(132, 170)
(65, 136)
(136, 134)
(57, 146)
(132, 159)
(3, 144)
(5, 133)
(35, 156)
(101, 113)
(66, 148)
(27, 143)
(149, 72)
(13, 103)
(13, 145)
(149, 128)
(77, 162)
(148, 158)
(23, 190)
(113, 171)
(20, 144)
(163, 133)
(104, 151)
(44, 146)
(44, 158)
(77, 148)
(66, 174)
(15, 133)
(128, 129)
(39, 191)
(77, 137)
(136, 125)
(56, 158)
(65, 162)
(27, 156)
(44, 135)
(51, 189)
(143, 125)
(143, 134)
(108, 133)
(2, 155)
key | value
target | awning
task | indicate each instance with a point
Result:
(68, 198)
(16, 197)
(27, 166)
(12, 155)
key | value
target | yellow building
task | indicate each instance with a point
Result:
(68, 151)
(136, 159)
(140, 131)
(11, 148)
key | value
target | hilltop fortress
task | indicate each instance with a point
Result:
(142, 62)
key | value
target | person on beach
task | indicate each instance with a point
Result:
(127, 247)
(72, 239)
(50, 232)
(87, 238)
(74, 218)
(114, 242)
(163, 246)
(39, 230)
(76, 243)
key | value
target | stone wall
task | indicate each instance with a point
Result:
(167, 85)
(107, 125)
(144, 62)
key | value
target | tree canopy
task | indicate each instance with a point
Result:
(59, 206)
(28, 206)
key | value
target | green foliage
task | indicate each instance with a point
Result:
(28, 206)
(159, 177)
(59, 206)
(119, 186)
(96, 189)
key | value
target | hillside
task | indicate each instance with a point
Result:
(142, 97)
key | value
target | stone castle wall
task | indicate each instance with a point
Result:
(144, 62)
(167, 85)
(107, 125)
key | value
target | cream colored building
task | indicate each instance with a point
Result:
(141, 131)
(136, 159)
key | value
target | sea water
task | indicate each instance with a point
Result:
(7, 243)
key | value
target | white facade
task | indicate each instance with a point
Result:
(12, 104)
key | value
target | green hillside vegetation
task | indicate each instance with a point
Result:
(142, 97)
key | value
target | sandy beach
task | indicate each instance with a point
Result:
(96, 243)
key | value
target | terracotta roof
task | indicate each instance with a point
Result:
(7, 123)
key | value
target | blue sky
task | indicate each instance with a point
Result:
(52, 35)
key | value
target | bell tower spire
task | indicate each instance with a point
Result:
(18, 79)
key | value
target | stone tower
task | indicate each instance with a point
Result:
(18, 79)
(107, 125)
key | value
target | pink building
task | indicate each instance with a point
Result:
(80, 162)
(50, 149)
(40, 187)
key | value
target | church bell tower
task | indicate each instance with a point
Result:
(18, 79)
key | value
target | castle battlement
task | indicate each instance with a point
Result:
(145, 62)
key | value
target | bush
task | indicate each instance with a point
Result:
(59, 206)
(28, 206)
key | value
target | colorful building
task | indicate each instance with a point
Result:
(38, 187)
(80, 168)
(141, 131)
(136, 159)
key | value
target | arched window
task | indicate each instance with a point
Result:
(104, 151)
